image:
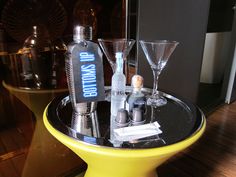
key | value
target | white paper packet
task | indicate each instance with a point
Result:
(137, 132)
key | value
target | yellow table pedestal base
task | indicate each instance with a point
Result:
(46, 156)
(114, 162)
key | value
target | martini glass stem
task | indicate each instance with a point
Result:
(126, 71)
(156, 74)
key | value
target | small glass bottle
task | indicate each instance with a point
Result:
(118, 95)
(136, 99)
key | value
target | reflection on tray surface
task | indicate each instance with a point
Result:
(177, 120)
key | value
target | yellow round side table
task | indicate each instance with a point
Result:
(46, 156)
(182, 125)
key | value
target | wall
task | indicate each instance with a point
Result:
(184, 21)
(215, 56)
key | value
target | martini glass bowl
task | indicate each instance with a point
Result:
(157, 53)
(111, 46)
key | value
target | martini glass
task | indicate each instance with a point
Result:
(157, 53)
(111, 46)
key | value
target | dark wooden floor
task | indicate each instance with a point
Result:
(214, 155)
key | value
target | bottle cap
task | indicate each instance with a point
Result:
(137, 81)
(82, 33)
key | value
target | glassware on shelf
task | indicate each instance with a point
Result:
(58, 74)
(36, 58)
(112, 46)
(157, 53)
(18, 17)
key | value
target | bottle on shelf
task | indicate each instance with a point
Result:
(36, 58)
(58, 73)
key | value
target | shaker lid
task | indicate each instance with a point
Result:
(82, 32)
